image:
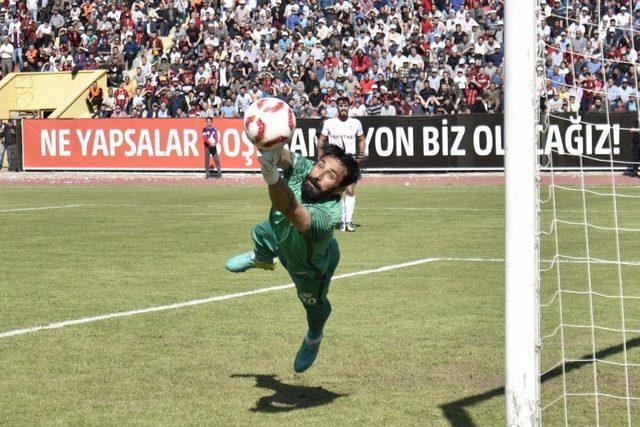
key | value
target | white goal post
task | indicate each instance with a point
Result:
(521, 246)
(572, 293)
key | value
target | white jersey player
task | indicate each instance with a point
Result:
(345, 132)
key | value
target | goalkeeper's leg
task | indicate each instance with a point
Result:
(262, 256)
(313, 294)
(314, 299)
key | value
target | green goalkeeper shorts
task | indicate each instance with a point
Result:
(312, 285)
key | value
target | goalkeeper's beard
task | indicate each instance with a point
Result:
(311, 191)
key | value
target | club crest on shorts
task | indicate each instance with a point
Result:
(307, 298)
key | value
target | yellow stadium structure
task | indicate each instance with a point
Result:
(54, 95)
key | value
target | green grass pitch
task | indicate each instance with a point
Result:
(418, 345)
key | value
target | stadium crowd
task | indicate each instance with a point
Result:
(206, 58)
(591, 59)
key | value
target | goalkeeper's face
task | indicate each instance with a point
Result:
(325, 180)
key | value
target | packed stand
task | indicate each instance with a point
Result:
(64, 35)
(591, 55)
(389, 57)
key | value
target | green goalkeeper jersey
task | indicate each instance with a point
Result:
(309, 251)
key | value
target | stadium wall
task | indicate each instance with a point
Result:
(410, 144)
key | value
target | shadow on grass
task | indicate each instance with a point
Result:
(456, 411)
(288, 397)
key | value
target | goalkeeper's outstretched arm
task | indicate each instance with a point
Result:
(282, 198)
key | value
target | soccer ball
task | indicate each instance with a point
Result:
(269, 123)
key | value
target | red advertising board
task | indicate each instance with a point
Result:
(131, 144)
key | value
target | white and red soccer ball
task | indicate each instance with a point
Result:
(269, 123)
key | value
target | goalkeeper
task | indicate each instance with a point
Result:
(306, 205)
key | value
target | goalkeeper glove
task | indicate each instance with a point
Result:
(269, 165)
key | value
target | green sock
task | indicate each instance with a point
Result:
(317, 316)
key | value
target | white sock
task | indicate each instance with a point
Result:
(350, 207)
(344, 211)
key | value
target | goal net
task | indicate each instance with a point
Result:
(588, 224)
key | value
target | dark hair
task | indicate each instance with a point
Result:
(347, 160)
(342, 99)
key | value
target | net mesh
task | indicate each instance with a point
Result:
(590, 217)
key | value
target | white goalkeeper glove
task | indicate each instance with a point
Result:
(269, 165)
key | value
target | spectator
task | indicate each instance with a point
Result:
(6, 56)
(114, 72)
(109, 101)
(155, 45)
(130, 51)
(481, 105)
(625, 91)
(360, 63)
(367, 83)
(316, 98)
(460, 79)
(375, 107)
(417, 108)
(177, 103)
(163, 111)
(119, 113)
(152, 113)
(387, 109)
(351, 84)
(12, 144)
(573, 105)
(495, 97)
(138, 100)
(121, 96)
(94, 98)
(17, 40)
(243, 101)
(32, 55)
(229, 109)
(555, 104)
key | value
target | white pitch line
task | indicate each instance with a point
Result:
(83, 320)
(41, 208)
(107, 316)
(367, 208)
(231, 207)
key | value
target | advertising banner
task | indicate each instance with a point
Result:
(475, 142)
(131, 144)
(444, 143)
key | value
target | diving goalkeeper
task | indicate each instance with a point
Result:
(306, 205)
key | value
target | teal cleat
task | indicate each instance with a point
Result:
(243, 262)
(306, 356)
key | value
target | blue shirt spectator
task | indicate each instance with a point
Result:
(229, 110)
